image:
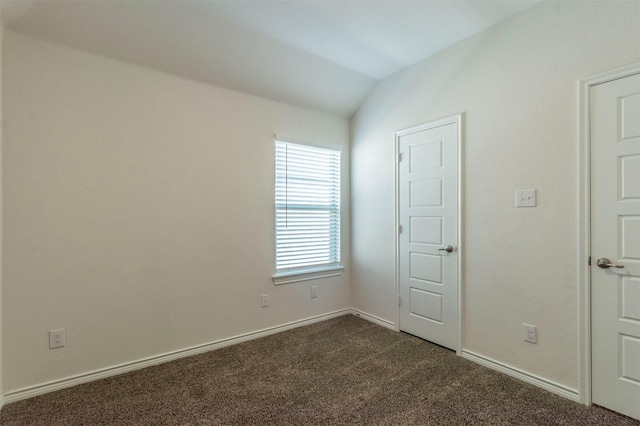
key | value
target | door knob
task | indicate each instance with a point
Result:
(605, 263)
(448, 249)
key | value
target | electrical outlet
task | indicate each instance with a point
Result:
(314, 291)
(56, 338)
(264, 301)
(526, 198)
(529, 333)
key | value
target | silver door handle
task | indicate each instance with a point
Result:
(605, 263)
(448, 249)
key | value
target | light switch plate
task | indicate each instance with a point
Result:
(525, 198)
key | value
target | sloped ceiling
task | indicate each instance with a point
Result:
(320, 54)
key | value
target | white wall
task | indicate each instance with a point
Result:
(516, 83)
(139, 212)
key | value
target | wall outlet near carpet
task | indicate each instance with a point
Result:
(264, 302)
(529, 333)
(56, 338)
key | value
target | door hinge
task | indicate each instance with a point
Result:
(399, 157)
(399, 229)
(399, 301)
(589, 260)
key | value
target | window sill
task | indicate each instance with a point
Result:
(314, 274)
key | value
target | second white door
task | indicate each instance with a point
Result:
(428, 238)
(615, 244)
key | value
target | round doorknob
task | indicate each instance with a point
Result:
(448, 249)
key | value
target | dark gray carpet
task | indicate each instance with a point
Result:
(342, 371)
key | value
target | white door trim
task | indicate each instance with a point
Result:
(456, 119)
(584, 222)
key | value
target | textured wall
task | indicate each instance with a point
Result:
(139, 211)
(516, 83)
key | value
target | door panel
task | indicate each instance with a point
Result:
(630, 173)
(629, 125)
(428, 215)
(426, 304)
(425, 193)
(426, 230)
(425, 267)
(615, 235)
(629, 301)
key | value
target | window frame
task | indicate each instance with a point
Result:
(291, 275)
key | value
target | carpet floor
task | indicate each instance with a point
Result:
(344, 371)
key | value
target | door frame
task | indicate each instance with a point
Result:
(584, 222)
(456, 119)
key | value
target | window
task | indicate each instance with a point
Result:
(307, 211)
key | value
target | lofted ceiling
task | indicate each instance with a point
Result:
(321, 54)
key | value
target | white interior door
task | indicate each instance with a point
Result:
(428, 219)
(615, 244)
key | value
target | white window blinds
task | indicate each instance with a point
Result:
(307, 208)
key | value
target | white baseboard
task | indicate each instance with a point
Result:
(67, 382)
(541, 382)
(538, 381)
(55, 385)
(374, 319)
